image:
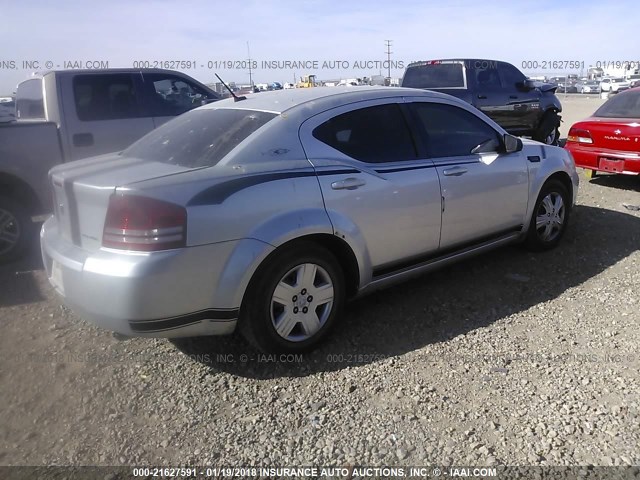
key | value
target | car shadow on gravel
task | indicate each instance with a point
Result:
(17, 283)
(441, 305)
(621, 182)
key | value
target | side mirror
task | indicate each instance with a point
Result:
(527, 84)
(512, 144)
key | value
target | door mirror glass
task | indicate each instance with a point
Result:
(512, 144)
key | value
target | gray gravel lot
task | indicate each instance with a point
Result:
(510, 358)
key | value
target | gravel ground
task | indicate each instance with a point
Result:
(511, 358)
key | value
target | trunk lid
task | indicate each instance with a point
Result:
(81, 192)
(613, 133)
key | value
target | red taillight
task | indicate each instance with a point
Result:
(144, 224)
(579, 135)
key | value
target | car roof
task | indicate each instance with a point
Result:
(85, 71)
(319, 98)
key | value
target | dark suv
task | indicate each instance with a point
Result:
(519, 105)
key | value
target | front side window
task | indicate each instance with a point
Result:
(172, 95)
(200, 138)
(510, 75)
(105, 97)
(450, 131)
(372, 134)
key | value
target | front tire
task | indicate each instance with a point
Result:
(550, 217)
(293, 299)
(17, 231)
(548, 131)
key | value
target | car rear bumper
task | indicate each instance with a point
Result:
(604, 160)
(159, 294)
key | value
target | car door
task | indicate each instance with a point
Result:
(490, 96)
(524, 104)
(484, 191)
(169, 95)
(106, 113)
(376, 189)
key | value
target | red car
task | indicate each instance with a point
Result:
(609, 140)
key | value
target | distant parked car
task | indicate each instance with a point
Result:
(634, 81)
(588, 86)
(267, 213)
(609, 140)
(614, 84)
(568, 87)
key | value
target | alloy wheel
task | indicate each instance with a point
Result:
(302, 302)
(9, 231)
(550, 217)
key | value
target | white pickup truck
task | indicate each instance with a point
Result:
(73, 114)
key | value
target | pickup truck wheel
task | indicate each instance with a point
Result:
(548, 131)
(16, 230)
(293, 300)
(550, 217)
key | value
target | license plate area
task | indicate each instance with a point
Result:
(611, 164)
(56, 277)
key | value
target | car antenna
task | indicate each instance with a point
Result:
(235, 97)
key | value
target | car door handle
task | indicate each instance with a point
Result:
(482, 96)
(455, 172)
(350, 183)
(513, 96)
(82, 140)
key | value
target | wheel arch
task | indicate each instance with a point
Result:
(16, 188)
(563, 177)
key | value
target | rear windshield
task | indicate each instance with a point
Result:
(200, 138)
(617, 80)
(623, 105)
(441, 75)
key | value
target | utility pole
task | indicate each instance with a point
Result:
(388, 52)
(249, 62)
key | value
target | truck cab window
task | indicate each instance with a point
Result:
(105, 97)
(29, 100)
(488, 78)
(510, 75)
(173, 95)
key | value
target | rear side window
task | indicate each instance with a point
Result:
(623, 105)
(29, 100)
(373, 134)
(105, 97)
(450, 131)
(440, 75)
(200, 138)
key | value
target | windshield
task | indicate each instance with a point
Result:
(200, 138)
(623, 105)
(617, 80)
(442, 75)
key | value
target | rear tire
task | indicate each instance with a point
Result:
(293, 300)
(17, 231)
(549, 218)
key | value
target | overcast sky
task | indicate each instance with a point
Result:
(122, 32)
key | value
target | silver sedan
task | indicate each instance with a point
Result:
(268, 213)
